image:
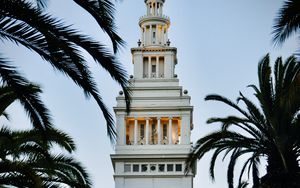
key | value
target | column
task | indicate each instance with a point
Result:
(166, 34)
(142, 36)
(160, 9)
(121, 130)
(157, 67)
(135, 131)
(147, 131)
(158, 131)
(185, 130)
(170, 130)
(162, 35)
(148, 9)
(149, 67)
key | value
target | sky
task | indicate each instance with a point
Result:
(219, 45)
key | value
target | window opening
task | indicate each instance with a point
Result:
(161, 67)
(127, 135)
(153, 134)
(170, 167)
(144, 167)
(145, 67)
(161, 167)
(178, 167)
(153, 167)
(165, 133)
(127, 168)
(135, 168)
(153, 68)
(142, 133)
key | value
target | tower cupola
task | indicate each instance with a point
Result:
(154, 25)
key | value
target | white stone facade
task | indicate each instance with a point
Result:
(154, 138)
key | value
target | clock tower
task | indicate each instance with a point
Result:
(154, 139)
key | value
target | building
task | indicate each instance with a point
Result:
(154, 138)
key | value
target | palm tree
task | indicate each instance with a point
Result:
(26, 24)
(27, 160)
(269, 131)
(287, 21)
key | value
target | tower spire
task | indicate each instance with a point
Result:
(154, 25)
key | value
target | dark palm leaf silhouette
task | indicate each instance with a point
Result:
(287, 22)
(27, 160)
(25, 24)
(16, 87)
(270, 131)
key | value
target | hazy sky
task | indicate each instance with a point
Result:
(219, 45)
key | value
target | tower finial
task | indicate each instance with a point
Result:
(154, 7)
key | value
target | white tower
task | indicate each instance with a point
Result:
(154, 139)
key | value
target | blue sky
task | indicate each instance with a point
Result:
(219, 45)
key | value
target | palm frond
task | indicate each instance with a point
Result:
(59, 45)
(7, 97)
(27, 161)
(266, 93)
(222, 99)
(270, 130)
(287, 21)
(103, 12)
(42, 3)
(27, 94)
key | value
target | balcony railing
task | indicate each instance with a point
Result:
(153, 75)
(154, 16)
(164, 141)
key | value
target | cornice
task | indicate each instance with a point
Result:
(164, 108)
(154, 49)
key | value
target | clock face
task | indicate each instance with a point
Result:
(144, 168)
(153, 167)
(161, 167)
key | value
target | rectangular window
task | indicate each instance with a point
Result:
(127, 167)
(178, 167)
(135, 168)
(170, 167)
(144, 167)
(161, 167)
